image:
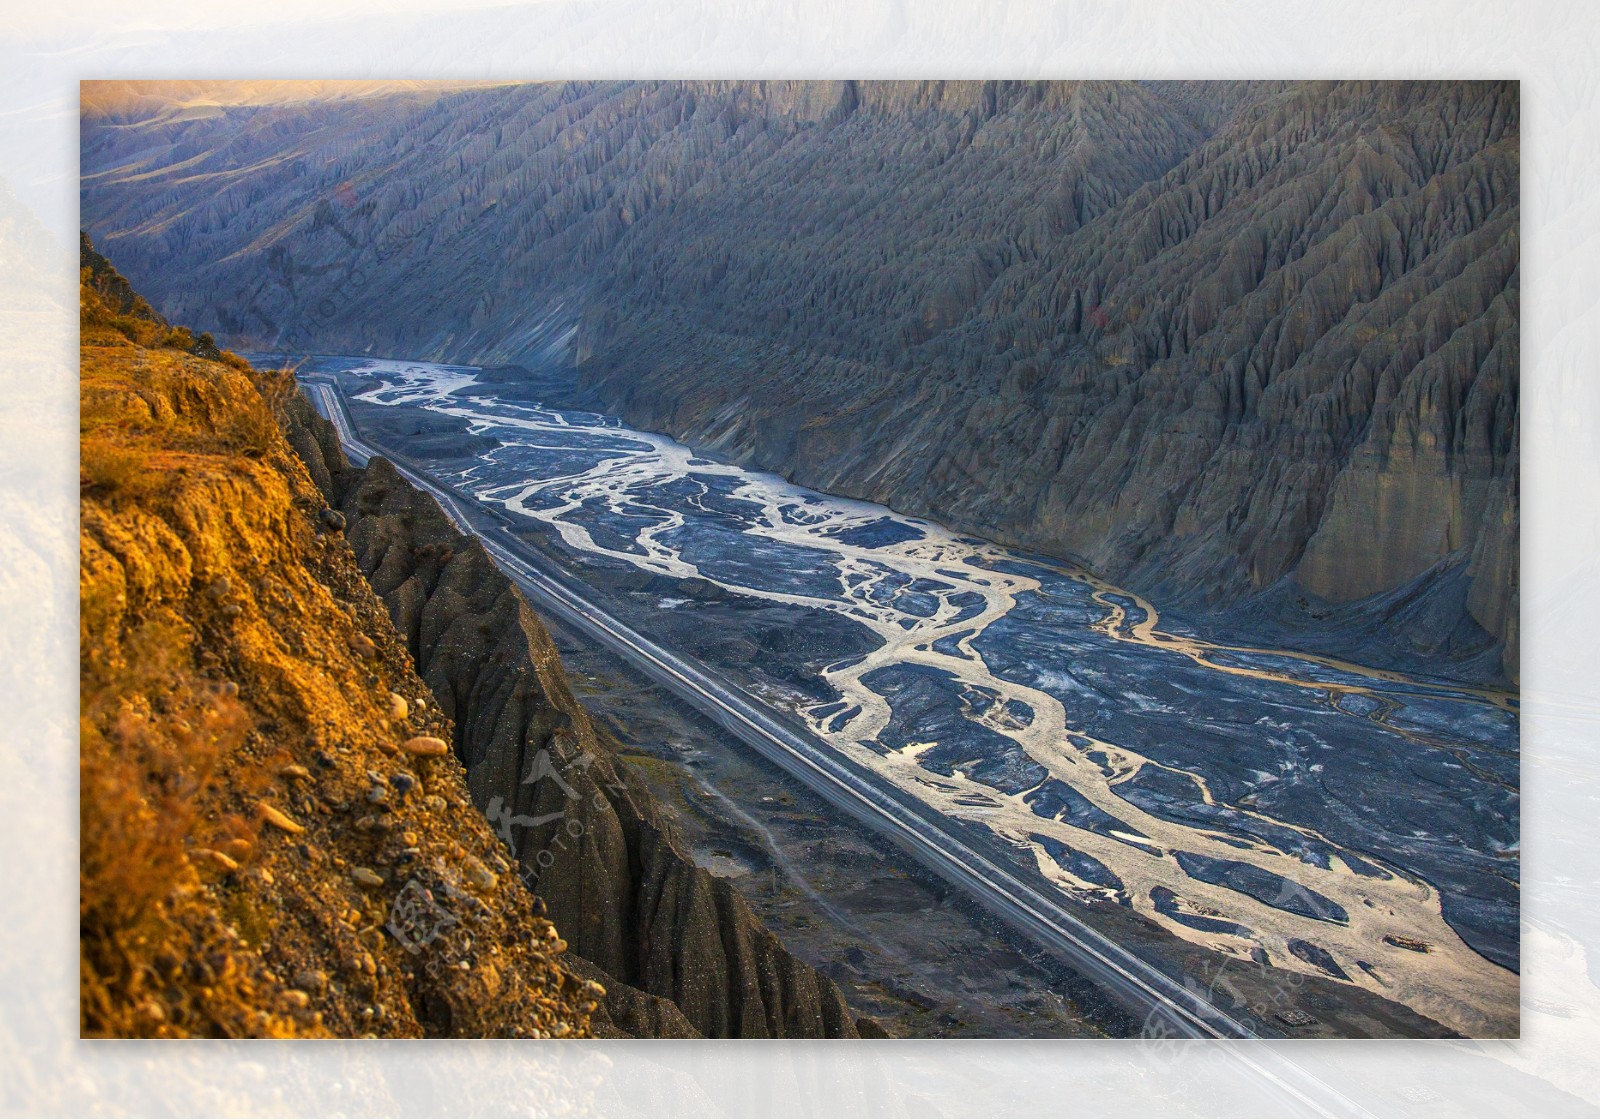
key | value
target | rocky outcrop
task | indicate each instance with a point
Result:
(678, 951)
(260, 855)
(1217, 340)
(1292, 357)
(278, 838)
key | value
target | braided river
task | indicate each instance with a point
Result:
(1337, 821)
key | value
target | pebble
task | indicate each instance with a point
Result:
(398, 708)
(426, 746)
(409, 839)
(293, 770)
(479, 874)
(374, 823)
(232, 610)
(296, 998)
(217, 859)
(333, 519)
(366, 877)
(377, 794)
(276, 818)
(403, 783)
(363, 646)
(422, 704)
(434, 803)
(311, 980)
(219, 587)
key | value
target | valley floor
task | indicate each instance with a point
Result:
(1272, 820)
(904, 948)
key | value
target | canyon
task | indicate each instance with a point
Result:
(298, 726)
(1069, 728)
(1118, 478)
(1248, 347)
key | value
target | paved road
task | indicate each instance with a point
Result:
(1169, 1009)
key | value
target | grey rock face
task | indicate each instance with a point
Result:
(678, 951)
(1205, 337)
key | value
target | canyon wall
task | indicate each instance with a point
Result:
(262, 854)
(1220, 341)
(335, 781)
(679, 953)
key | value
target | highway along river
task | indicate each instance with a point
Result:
(1330, 820)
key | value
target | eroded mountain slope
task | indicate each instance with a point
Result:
(264, 854)
(1220, 341)
(310, 810)
(678, 951)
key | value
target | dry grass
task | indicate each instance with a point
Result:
(152, 734)
(256, 427)
(220, 679)
(115, 473)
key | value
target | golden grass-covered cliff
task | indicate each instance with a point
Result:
(270, 847)
(302, 690)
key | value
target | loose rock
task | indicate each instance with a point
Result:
(478, 873)
(217, 859)
(426, 746)
(277, 819)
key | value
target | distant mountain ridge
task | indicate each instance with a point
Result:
(1222, 341)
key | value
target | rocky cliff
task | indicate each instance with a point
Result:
(334, 780)
(678, 951)
(1221, 341)
(267, 848)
